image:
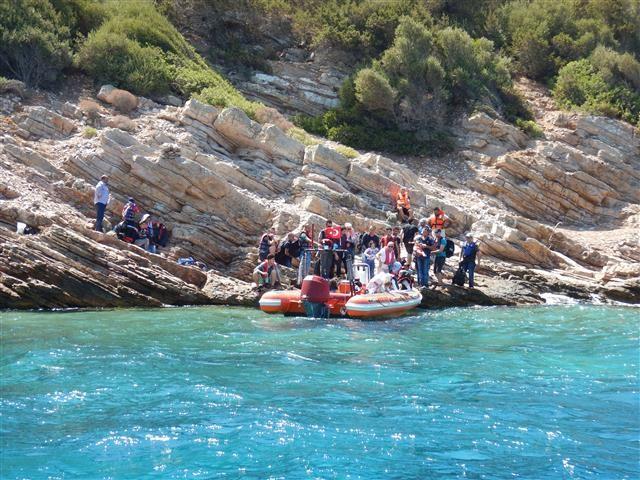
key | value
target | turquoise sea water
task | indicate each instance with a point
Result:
(545, 392)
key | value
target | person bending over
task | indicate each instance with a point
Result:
(380, 283)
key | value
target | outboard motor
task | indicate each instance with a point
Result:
(315, 295)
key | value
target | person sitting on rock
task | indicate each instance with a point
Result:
(266, 273)
(469, 256)
(160, 236)
(403, 205)
(126, 232)
(386, 257)
(149, 231)
(266, 242)
(380, 283)
(439, 221)
(143, 237)
(129, 212)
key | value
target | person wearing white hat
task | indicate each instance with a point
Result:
(469, 256)
(386, 257)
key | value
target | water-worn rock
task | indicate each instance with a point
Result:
(123, 100)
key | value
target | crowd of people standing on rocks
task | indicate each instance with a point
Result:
(414, 244)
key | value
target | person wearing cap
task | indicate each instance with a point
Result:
(440, 255)
(380, 283)
(129, 211)
(386, 257)
(101, 199)
(469, 256)
(423, 246)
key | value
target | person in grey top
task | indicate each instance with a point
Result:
(101, 199)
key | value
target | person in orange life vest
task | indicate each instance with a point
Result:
(266, 273)
(439, 220)
(403, 205)
(386, 257)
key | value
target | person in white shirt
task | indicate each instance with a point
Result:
(380, 283)
(101, 199)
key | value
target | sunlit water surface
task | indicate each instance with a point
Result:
(546, 392)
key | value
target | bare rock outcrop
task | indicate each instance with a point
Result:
(547, 211)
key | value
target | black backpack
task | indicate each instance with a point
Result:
(450, 248)
(459, 277)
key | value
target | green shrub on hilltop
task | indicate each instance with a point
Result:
(109, 57)
(545, 35)
(137, 48)
(35, 44)
(126, 43)
(363, 27)
(606, 83)
(81, 16)
(402, 101)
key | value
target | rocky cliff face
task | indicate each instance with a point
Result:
(556, 214)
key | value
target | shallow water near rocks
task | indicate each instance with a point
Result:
(544, 392)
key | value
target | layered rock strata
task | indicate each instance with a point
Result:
(553, 214)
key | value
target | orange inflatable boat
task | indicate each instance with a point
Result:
(315, 300)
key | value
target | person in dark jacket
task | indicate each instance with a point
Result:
(469, 256)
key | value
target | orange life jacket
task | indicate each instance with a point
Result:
(437, 222)
(403, 200)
